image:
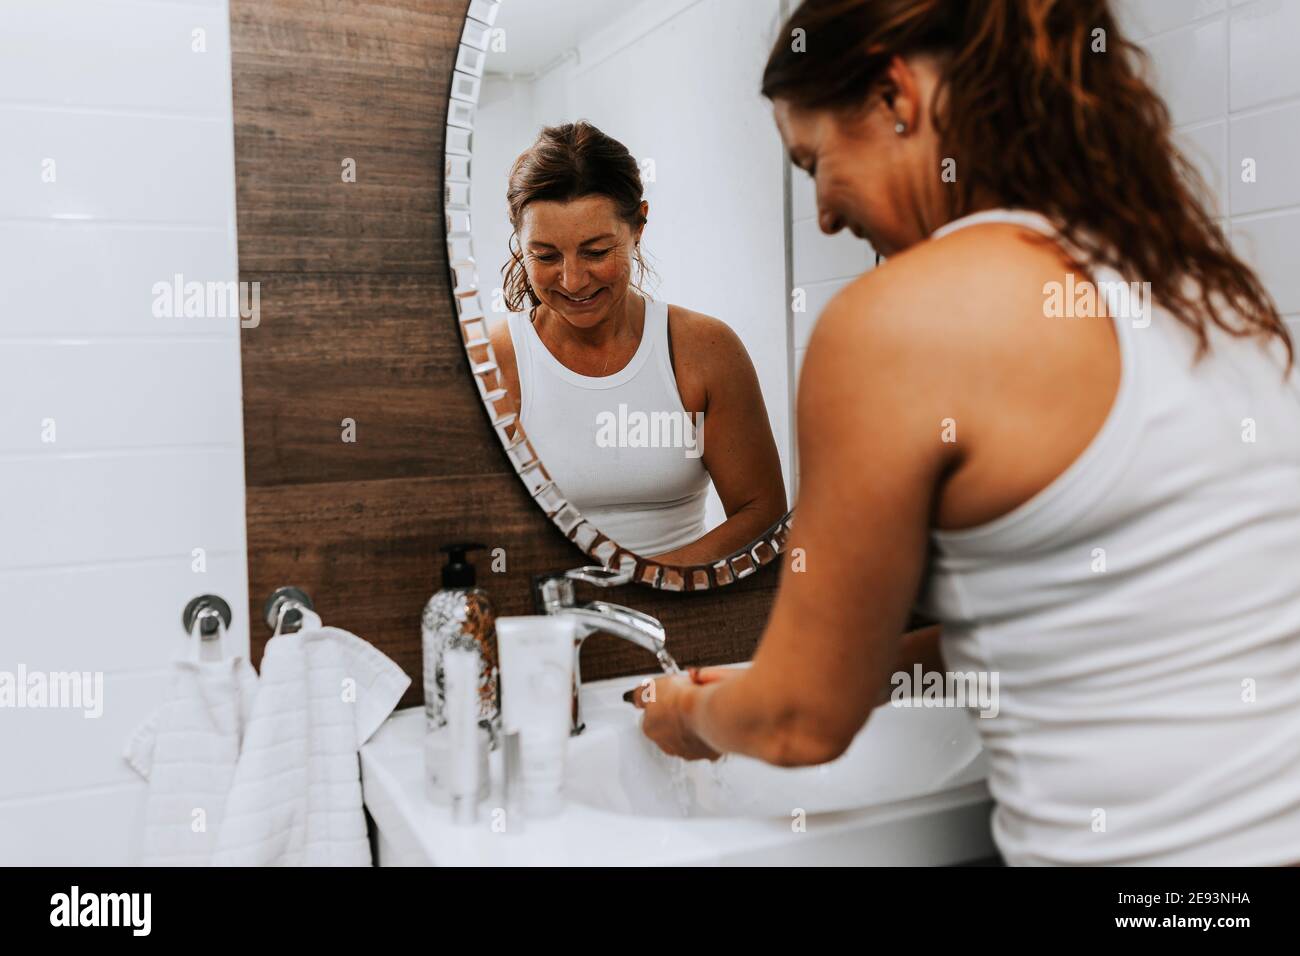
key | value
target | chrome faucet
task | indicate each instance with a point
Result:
(555, 595)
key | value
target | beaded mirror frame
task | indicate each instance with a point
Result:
(471, 319)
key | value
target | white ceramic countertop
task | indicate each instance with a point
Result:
(950, 825)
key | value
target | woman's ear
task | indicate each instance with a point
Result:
(902, 92)
(644, 212)
(889, 93)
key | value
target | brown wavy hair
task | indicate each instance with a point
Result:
(1037, 118)
(569, 162)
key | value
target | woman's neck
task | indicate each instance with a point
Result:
(617, 325)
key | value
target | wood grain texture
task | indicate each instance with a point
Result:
(357, 323)
(380, 350)
(320, 81)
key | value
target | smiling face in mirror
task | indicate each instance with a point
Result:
(578, 258)
(642, 324)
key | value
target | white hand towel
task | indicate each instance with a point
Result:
(188, 751)
(296, 796)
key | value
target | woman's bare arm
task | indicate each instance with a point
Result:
(738, 448)
(503, 347)
(871, 402)
(920, 646)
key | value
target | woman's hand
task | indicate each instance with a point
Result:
(711, 675)
(667, 703)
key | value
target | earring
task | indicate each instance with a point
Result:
(900, 127)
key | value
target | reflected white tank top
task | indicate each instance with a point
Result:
(621, 447)
(1143, 615)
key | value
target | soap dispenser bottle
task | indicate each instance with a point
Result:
(460, 615)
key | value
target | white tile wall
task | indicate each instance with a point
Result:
(820, 258)
(104, 273)
(99, 529)
(85, 827)
(1271, 243)
(1232, 76)
(1191, 70)
(1271, 138)
(1262, 55)
(35, 54)
(1264, 126)
(1206, 146)
(1149, 17)
(822, 266)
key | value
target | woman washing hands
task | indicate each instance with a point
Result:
(1071, 498)
(673, 698)
(675, 706)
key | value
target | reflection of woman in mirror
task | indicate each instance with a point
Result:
(632, 405)
(1099, 504)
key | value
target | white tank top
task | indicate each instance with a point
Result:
(621, 448)
(1143, 615)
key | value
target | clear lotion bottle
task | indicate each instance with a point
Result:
(459, 615)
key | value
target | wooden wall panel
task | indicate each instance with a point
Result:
(367, 347)
(357, 323)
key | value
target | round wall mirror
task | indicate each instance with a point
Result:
(618, 215)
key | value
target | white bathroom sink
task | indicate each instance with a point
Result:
(900, 754)
(909, 791)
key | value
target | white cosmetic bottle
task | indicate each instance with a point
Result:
(467, 742)
(536, 701)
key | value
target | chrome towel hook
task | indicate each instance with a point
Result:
(211, 612)
(283, 611)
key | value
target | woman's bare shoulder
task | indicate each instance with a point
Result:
(958, 328)
(503, 349)
(968, 296)
(707, 340)
(709, 359)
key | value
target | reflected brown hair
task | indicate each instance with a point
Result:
(565, 163)
(1045, 108)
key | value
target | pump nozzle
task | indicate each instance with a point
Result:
(459, 572)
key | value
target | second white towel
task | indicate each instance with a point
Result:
(296, 796)
(188, 751)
